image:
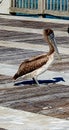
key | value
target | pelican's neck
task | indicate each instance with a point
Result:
(51, 48)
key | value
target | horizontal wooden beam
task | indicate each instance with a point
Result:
(24, 10)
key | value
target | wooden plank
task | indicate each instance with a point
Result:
(49, 99)
(33, 24)
(44, 100)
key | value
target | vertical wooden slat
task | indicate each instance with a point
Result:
(41, 5)
(47, 4)
(63, 5)
(19, 3)
(57, 4)
(28, 4)
(11, 3)
(68, 6)
(44, 5)
(31, 4)
(53, 4)
(22, 4)
(34, 1)
(50, 4)
(60, 5)
(25, 4)
(35, 4)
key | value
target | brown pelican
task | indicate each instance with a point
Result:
(37, 65)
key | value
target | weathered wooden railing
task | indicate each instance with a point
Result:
(25, 6)
(53, 7)
(57, 7)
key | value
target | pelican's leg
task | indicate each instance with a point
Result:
(36, 81)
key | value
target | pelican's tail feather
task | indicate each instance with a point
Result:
(15, 76)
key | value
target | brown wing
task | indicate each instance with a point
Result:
(30, 65)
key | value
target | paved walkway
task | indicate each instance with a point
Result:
(20, 120)
(16, 44)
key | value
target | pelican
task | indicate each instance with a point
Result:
(35, 66)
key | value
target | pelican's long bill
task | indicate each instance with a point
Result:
(53, 41)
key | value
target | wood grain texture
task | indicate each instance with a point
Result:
(50, 99)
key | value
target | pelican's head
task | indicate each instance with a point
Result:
(50, 36)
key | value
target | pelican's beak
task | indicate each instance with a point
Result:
(53, 41)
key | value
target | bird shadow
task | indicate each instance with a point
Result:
(30, 82)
